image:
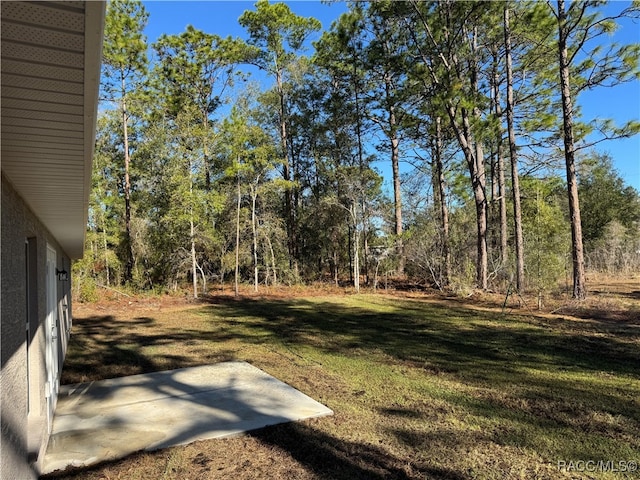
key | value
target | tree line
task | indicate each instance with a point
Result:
(202, 176)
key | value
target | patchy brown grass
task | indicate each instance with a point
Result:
(423, 386)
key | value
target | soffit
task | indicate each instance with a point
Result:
(51, 53)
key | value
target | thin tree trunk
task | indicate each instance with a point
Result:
(106, 256)
(392, 134)
(350, 254)
(464, 139)
(502, 209)
(203, 276)
(205, 153)
(444, 211)
(515, 182)
(128, 266)
(254, 196)
(361, 164)
(502, 198)
(295, 209)
(492, 235)
(482, 267)
(288, 200)
(104, 239)
(273, 260)
(193, 257)
(504, 247)
(237, 268)
(397, 194)
(94, 252)
(577, 252)
(192, 234)
(365, 239)
(356, 248)
(463, 134)
(478, 176)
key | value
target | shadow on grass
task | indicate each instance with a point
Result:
(102, 347)
(331, 458)
(542, 357)
(327, 457)
(455, 340)
(541, 376)
(535, 376)
(633, 295)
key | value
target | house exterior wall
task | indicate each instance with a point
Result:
(23, 375)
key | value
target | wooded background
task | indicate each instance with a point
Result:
(200, 176)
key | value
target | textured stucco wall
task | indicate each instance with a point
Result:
(22, 380)
(13, 393)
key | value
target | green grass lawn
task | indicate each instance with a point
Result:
(421, 388)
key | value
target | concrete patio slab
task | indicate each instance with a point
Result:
(110, 419)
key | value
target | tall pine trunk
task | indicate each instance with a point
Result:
(237, 266)
(192, 236)
(397, 197)
(289, 203)
(103, 225)
(480, 196)
(502, 198)
(128, 264)
(254, 196)
(395, 168)
(194, 263)
(476, 173)
(205, 152)
(444, 211)
(515, 182)
(577, 252)
(477, 167)
(361, 166)
(356, 248)
(460, 122)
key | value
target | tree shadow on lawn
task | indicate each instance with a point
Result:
(549, 373)
(455, 340)
(549, 368)
(102, 347)
(321, 454)
(336, 459)
(479, 348)
(105, 345)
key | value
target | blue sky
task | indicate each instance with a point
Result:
(221, 17)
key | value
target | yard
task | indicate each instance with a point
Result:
(422, 386)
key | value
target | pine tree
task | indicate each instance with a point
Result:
(578, 26)
(276, 35)
(124, 65)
